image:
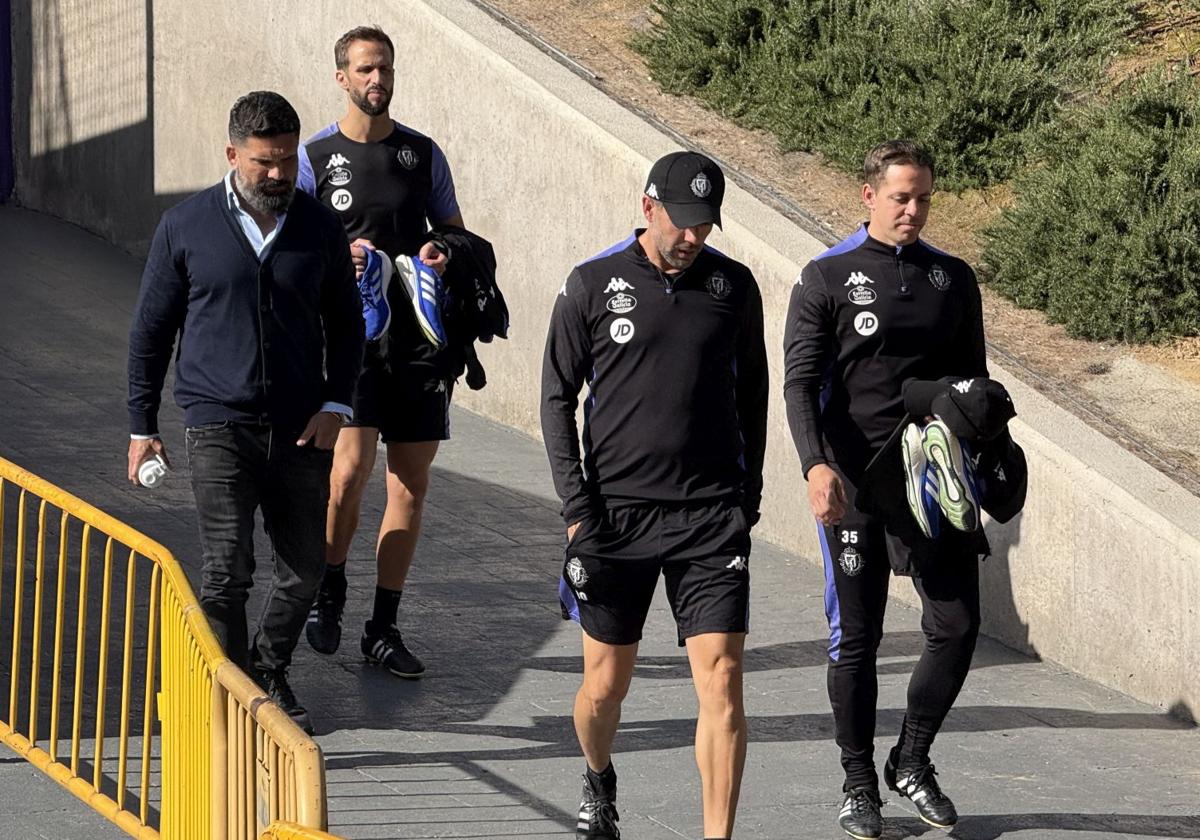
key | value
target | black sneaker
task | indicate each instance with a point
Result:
(859, 816)
(324, 625)
(921, 788)
(275, 683)
(387, 649)
(598, 812)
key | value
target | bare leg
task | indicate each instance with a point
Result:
(407, 483)
(607, 672)
(716, 660)
(353, 460)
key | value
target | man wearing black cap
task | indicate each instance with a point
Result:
(878, 309)
(667, 333)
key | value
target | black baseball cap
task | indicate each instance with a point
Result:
(690, 186)
(974, 408)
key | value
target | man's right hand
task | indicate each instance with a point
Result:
(141, 451)
(358, 256)
(826, 494)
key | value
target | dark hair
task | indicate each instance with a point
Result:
(891, 153)
(341, 49)
(262, 113)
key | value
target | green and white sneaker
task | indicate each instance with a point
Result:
(955, 486)
(916, 478)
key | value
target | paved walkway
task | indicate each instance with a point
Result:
(484, 746)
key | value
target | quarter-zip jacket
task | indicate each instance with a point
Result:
(865, 316)
(677, 382)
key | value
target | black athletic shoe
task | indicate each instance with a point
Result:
(275, 684)
(860, 816)
(921, 788)
(324, 625)
(387, 649)
(598, 812)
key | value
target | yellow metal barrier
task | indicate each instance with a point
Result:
(229, 763)
(291, 831)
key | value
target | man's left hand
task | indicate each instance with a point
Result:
(322, 430)
(433, 258)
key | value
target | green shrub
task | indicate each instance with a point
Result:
(970, 79)
(1105, 232)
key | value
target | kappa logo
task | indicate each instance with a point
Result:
(939, 278)
(336, 160)
(618, 284)
(800, 279)
(865, 323)
(857, 278)
(718, 286)
(341, 200)
(652, 191)
(620, 303)
(621, 330)
(851, 561)
(340, 176)
(738, 564)
(407, 157)
(563, 290)
(963, 386)
(701, 186)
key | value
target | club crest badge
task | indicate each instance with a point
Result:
(939, 278)
(718, 286)
(407, 157)
(701, 186)
(851, 561)
(576, 573)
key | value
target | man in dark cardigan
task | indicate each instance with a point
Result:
(256, 280)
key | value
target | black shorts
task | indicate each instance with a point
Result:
(612, 565)
(410, 406)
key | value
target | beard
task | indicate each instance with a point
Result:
(363, 103)
(269, 195)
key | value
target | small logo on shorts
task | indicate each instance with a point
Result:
(851, 561)
(738, 564)
(576, 573)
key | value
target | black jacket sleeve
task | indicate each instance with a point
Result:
(809, 344)
(972, 347)
(565, 366)
(342, 319)
(752, 388)
(157, 319)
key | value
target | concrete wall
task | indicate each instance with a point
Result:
(1101, 573)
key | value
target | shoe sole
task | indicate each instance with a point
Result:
(914, 479)
(370, 660)
(954, 496)
(850, 833)
(889, 780)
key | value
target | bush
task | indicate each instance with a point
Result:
(970, 79)
(1105, 232)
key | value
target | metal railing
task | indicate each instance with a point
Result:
(201, 752)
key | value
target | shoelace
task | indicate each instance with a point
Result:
(604, 816)
(327, 606)
(860, 802)
(924, 778)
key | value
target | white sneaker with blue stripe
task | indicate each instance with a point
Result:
(428, 294)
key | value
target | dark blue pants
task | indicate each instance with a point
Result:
(237, 468)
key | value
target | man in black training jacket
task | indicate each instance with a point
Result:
(876, 310)
(256, 280)
(667, 334)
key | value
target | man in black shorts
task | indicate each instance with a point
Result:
(667, 333)
(881, 308)
(388, 183)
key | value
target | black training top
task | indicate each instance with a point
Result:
(865, 316)
(386, 192)
(677, 382)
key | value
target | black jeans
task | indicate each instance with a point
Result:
(237, 468)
